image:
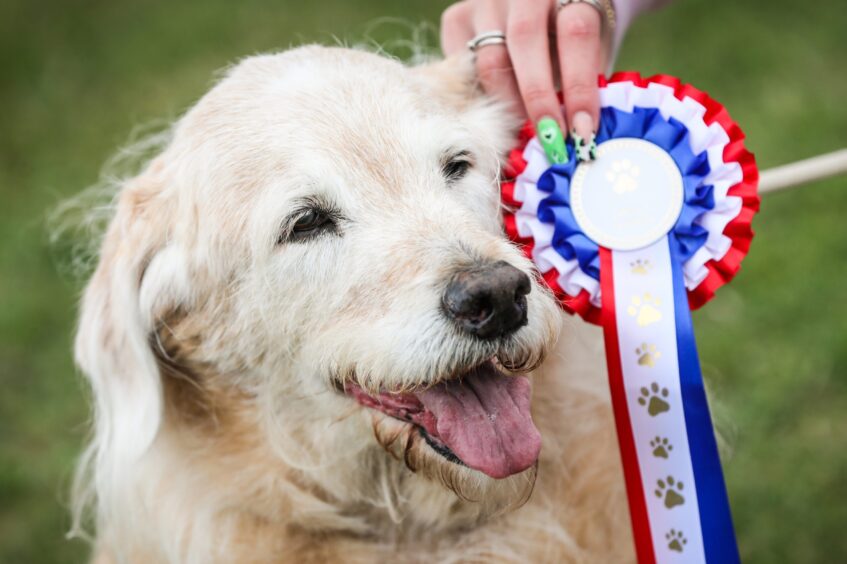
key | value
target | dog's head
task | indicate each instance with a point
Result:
(320, 249)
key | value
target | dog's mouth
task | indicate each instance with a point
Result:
(480, 419)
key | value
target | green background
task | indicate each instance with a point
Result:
(77, 76)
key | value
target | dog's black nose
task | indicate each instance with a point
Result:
(488, 301)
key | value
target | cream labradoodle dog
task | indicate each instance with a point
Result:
(309, 341)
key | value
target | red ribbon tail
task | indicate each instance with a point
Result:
(632, 472)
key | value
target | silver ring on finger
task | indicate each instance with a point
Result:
(604, 7)
(493, 37)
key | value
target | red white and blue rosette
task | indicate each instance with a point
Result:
(633, 241)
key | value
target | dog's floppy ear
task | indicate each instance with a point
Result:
(138, 274)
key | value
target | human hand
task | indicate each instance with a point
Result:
(545, 45)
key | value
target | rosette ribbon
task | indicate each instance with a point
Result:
(633, 241)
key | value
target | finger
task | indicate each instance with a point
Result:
(529, 46)
(580, 58)
(497, 76)
(493, 64)
(456, 27)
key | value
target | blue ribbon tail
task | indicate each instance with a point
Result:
(715, 517)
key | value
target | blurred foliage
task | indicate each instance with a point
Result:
(77, 76)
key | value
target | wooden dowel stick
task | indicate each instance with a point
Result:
(802, 172)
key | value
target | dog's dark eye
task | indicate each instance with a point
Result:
(311, 220)
(308, 223)
(457, 166)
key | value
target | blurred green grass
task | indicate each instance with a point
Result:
(78, 76)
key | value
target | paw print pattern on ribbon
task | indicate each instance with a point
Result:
(655, 399)
(661, 447)
(670, 490)
(676, 540)
(640, 267)
(623, 177)
(645, 309)
(647, 355)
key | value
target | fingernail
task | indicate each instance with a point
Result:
(583, 124)
(584, 149)
(552, 141)
(584, 140)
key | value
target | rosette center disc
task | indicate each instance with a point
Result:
(629, 197)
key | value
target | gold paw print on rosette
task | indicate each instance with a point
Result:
(676, 540)
(623, 176)
(669, 491)
(641, 267)
(645, 309)
(661, 446)
(648, 355)
(654, 399)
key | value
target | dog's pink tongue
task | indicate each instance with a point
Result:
(485, 420)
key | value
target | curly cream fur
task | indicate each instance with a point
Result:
(214, 353)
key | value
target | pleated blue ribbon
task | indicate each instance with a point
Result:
(642, 123)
